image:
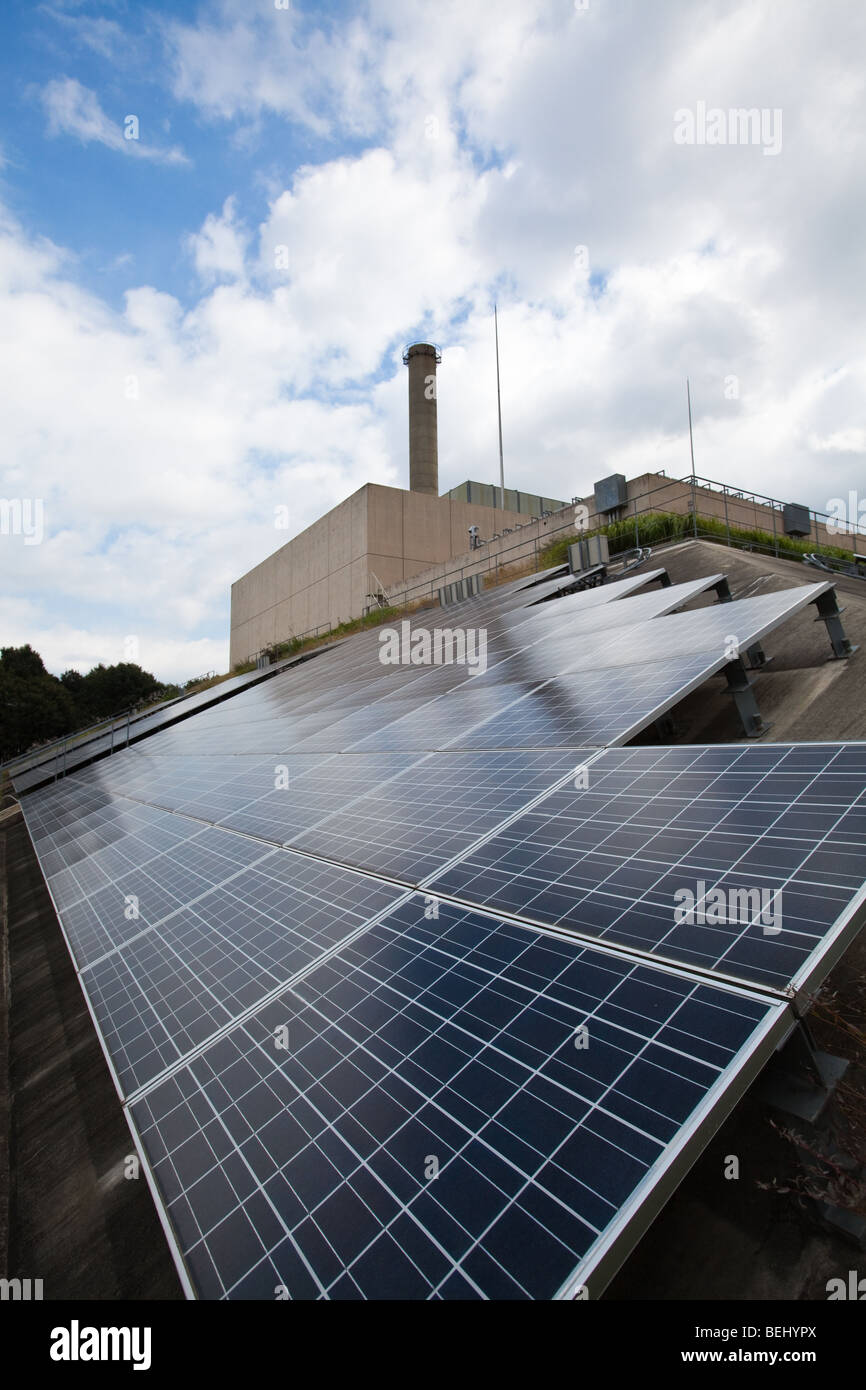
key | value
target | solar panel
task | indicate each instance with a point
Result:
(630, 609)
(39, 770)
(582, 710)
(497, 709)
(413, 824)
(434, 724)
(103, 915)
(783, 824)
(431, 1129)
(707, 630)
(166, 990)
(316, 730)
(532, 1018)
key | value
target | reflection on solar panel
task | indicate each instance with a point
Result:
(584, 618)
(408, 827)
(582, 709)
(343, 1087)
(38, 769)
(430, 1129)
(786, 825)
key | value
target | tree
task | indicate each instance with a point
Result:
(34, 705)
(22, 661)
(108, 690)
(73, 681)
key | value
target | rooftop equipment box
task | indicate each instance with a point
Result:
(797, 520)
(585, 554)
(611, 493)
(461, 589)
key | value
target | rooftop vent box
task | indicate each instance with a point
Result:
(611, 493)
(461, 589)
(797, 520)
(584, 555)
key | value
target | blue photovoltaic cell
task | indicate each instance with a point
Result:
(785, 824)
(446, 1043)
(175, 984)
(410, 826)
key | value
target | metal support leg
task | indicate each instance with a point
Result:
(740, 687)
(800, 1079)
(830, 613)
(758, 658)
(723, 589)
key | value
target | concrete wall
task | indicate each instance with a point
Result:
(413, 542)
(317, 579)
(323, 576)
(650, 491)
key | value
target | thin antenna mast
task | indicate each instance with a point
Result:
(694, 501)
(499, 410)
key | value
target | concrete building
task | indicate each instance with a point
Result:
(377, 539)
(526, 503)
(402, 545)
(637, 498)
(373, 541)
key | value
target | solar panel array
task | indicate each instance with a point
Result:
(384, 958)
(60, 757)
(784, 825)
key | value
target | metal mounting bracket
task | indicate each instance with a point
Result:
(830, 613)
(740, 687)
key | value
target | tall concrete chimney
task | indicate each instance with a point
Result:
(422, 360)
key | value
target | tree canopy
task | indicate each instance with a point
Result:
(36, 707)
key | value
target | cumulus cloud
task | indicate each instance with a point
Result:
(219, 249)
(450, 156)
(161, 443)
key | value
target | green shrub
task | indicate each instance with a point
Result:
(659, 528)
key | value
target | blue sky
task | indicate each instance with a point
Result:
(168, 385)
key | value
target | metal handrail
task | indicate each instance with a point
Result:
(44, 751)
(562, 522)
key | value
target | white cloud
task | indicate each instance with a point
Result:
(75, 110)
(103, 36)
(64, 646)
(554, 130)
(155, 499)
(219, 249)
